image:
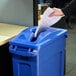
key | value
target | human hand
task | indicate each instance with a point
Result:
(56, 12)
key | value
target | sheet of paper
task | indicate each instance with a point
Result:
(46, 21)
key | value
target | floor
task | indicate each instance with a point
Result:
(71, 52)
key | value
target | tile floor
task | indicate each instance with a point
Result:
(71, 52)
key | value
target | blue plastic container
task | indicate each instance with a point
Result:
(41, 56)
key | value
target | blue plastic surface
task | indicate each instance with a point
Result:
(41, 56)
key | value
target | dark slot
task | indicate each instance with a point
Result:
(40, 31)
(33, 39)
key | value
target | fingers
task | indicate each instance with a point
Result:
(57, 12)
(52, 14)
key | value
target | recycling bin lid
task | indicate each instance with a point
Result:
(26, 37)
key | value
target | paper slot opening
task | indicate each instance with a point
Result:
(33, 39)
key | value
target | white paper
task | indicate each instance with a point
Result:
(46, 21)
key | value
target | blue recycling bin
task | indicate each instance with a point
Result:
(41, 56)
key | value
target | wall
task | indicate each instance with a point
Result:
(16, 12)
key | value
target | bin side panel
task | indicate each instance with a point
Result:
(51, 67)
(51, 58)
(24, 67)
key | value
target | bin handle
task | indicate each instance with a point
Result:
(13, 49)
